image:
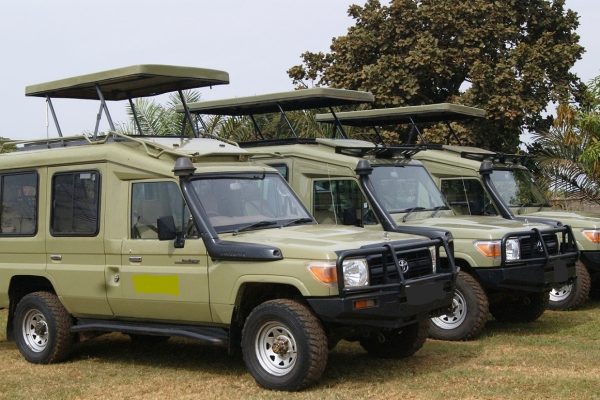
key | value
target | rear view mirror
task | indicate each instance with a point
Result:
(168, 231)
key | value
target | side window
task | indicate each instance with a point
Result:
(18, 205)
(282, 169)
(75, 203)
(467, 197)
(340, 202)
(153, 200)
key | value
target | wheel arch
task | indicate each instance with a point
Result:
(20, 286)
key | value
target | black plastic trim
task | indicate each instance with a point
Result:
(206, 334)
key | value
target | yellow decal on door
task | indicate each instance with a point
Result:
(156, 284)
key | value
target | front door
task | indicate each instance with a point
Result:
(156, 280)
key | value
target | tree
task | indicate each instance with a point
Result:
(568, 154)
(509, 57)
(157, 119)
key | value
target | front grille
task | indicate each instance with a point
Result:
(532, 248)
(383, 270)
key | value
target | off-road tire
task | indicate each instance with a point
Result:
(576, 294)
(397, 343)
(42, 328)
(469, 297)
(524, 308)
(296, 328)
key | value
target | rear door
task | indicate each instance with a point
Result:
(75, 237)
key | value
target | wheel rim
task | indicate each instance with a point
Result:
(276, 349)
(453, 319)
(35, 330)
(561, 293)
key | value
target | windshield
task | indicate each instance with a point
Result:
(402, 189)
(517, 188)
(233, 203)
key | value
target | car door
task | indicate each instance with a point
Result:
(75, 253)
(156, 280)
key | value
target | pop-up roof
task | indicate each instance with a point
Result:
(127, 83)
(413, 115)
(130, 82)
(303, 99)
(404, 115)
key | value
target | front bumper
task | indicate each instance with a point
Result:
(546, 264)
(394, 298)
(393, 307)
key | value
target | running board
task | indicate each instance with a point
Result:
(207, 335)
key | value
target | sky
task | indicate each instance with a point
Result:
(255, 41)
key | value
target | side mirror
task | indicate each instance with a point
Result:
(168, 231)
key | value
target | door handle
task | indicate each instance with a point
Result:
(135, 259)
(55, 257)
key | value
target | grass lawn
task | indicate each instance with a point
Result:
(556, 357)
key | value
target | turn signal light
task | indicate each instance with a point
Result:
(324, 272)
(489, 249)
(592, 235)
(362, 304)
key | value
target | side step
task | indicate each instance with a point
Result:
(207, 335)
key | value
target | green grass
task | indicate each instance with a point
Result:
(557, 356)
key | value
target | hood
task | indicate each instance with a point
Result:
(464, 227)
(575, 219)
(318, 242)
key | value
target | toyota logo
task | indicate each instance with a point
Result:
(403, 265)
(539, 246)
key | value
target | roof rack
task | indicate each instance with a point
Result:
(405, 151)
(125, 84)
(153, 148)
(281, 102)
(501, 158)
(441, 112)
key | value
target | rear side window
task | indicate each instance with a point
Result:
(282, 169)
(18, 205)
(75, 203)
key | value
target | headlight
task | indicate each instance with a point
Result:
(593, 235)
(513, 249)
(356, 272)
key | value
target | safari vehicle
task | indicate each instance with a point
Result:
(183, 236)
(351, 182)
(482, 182)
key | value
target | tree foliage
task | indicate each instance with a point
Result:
(568, 154)
(509, 57)
(158, 119)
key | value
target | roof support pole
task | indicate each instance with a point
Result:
(338, 125)
(414, 128)
(286, 120)
(104, 105)
(98, 118)
(256, 127)
(188, 116)
(378, 133)
(135, 117)
(453, 133)
(49, 101)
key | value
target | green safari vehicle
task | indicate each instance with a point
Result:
(185, 236)
(478, 182)
(355, 182)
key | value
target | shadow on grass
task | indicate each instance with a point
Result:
(348, 362)
(176, 354)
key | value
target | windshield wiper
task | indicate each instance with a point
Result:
(409, 211)
(437, 209)
(254, 225)
(297, 221)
